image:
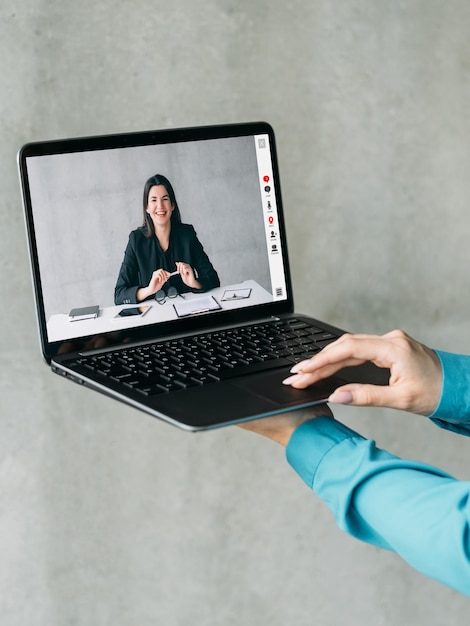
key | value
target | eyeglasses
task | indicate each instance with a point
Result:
(161, 295)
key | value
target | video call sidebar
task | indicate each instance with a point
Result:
(276, 265)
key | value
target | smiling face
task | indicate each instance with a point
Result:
(159, 206)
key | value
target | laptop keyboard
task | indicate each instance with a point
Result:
(207, 358)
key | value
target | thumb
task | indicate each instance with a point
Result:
(363, 395)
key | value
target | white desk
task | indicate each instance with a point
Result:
(60, 328)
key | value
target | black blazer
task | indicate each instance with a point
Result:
(144, 255)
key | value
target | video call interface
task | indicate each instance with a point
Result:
(139, 235)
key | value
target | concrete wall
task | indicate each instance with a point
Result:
(110, 517)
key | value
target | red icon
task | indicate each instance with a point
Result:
(266, 179)
(271, 220)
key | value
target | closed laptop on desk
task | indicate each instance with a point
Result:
(188, 222)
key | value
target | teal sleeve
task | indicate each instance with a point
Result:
(411, 508)
(453, 410)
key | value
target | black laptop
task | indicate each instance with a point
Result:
(161, 274)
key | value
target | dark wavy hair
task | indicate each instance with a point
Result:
(147, 227)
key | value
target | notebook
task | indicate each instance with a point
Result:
(190, 277)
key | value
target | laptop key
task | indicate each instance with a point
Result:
(203, 379)
(151, 390)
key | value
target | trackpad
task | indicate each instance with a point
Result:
(269, 385)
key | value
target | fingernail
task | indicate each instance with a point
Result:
(341, 397)
(287, 381)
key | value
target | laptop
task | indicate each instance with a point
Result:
(173, 297)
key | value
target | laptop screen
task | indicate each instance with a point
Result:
(149, 232)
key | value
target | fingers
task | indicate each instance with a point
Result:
(361, 348)
(309, 372)
(159, 278)
(341, 353)
(184, 269)
(365, 395)
(160, 275)
(415, 372)
(347, 351)
(187, 274)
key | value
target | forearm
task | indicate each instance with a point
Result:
(414, 509)
(125, 295)
(127, 281)
(204, 271)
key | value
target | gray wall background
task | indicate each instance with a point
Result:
(85, 205)
(110, 517)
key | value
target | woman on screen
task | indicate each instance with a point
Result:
(163, 252)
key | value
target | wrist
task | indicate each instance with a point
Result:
(192, 283)
(280, 428)
(143, 293)
(297, 419)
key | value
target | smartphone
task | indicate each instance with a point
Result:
(132, 312)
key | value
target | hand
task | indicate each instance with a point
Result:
(280, 427)
(415, 372)
(187, 275)
(158, 279)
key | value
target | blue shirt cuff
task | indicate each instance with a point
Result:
(454, 403)
(311, 441)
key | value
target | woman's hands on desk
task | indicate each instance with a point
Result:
(161, 276)
(415, 371)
